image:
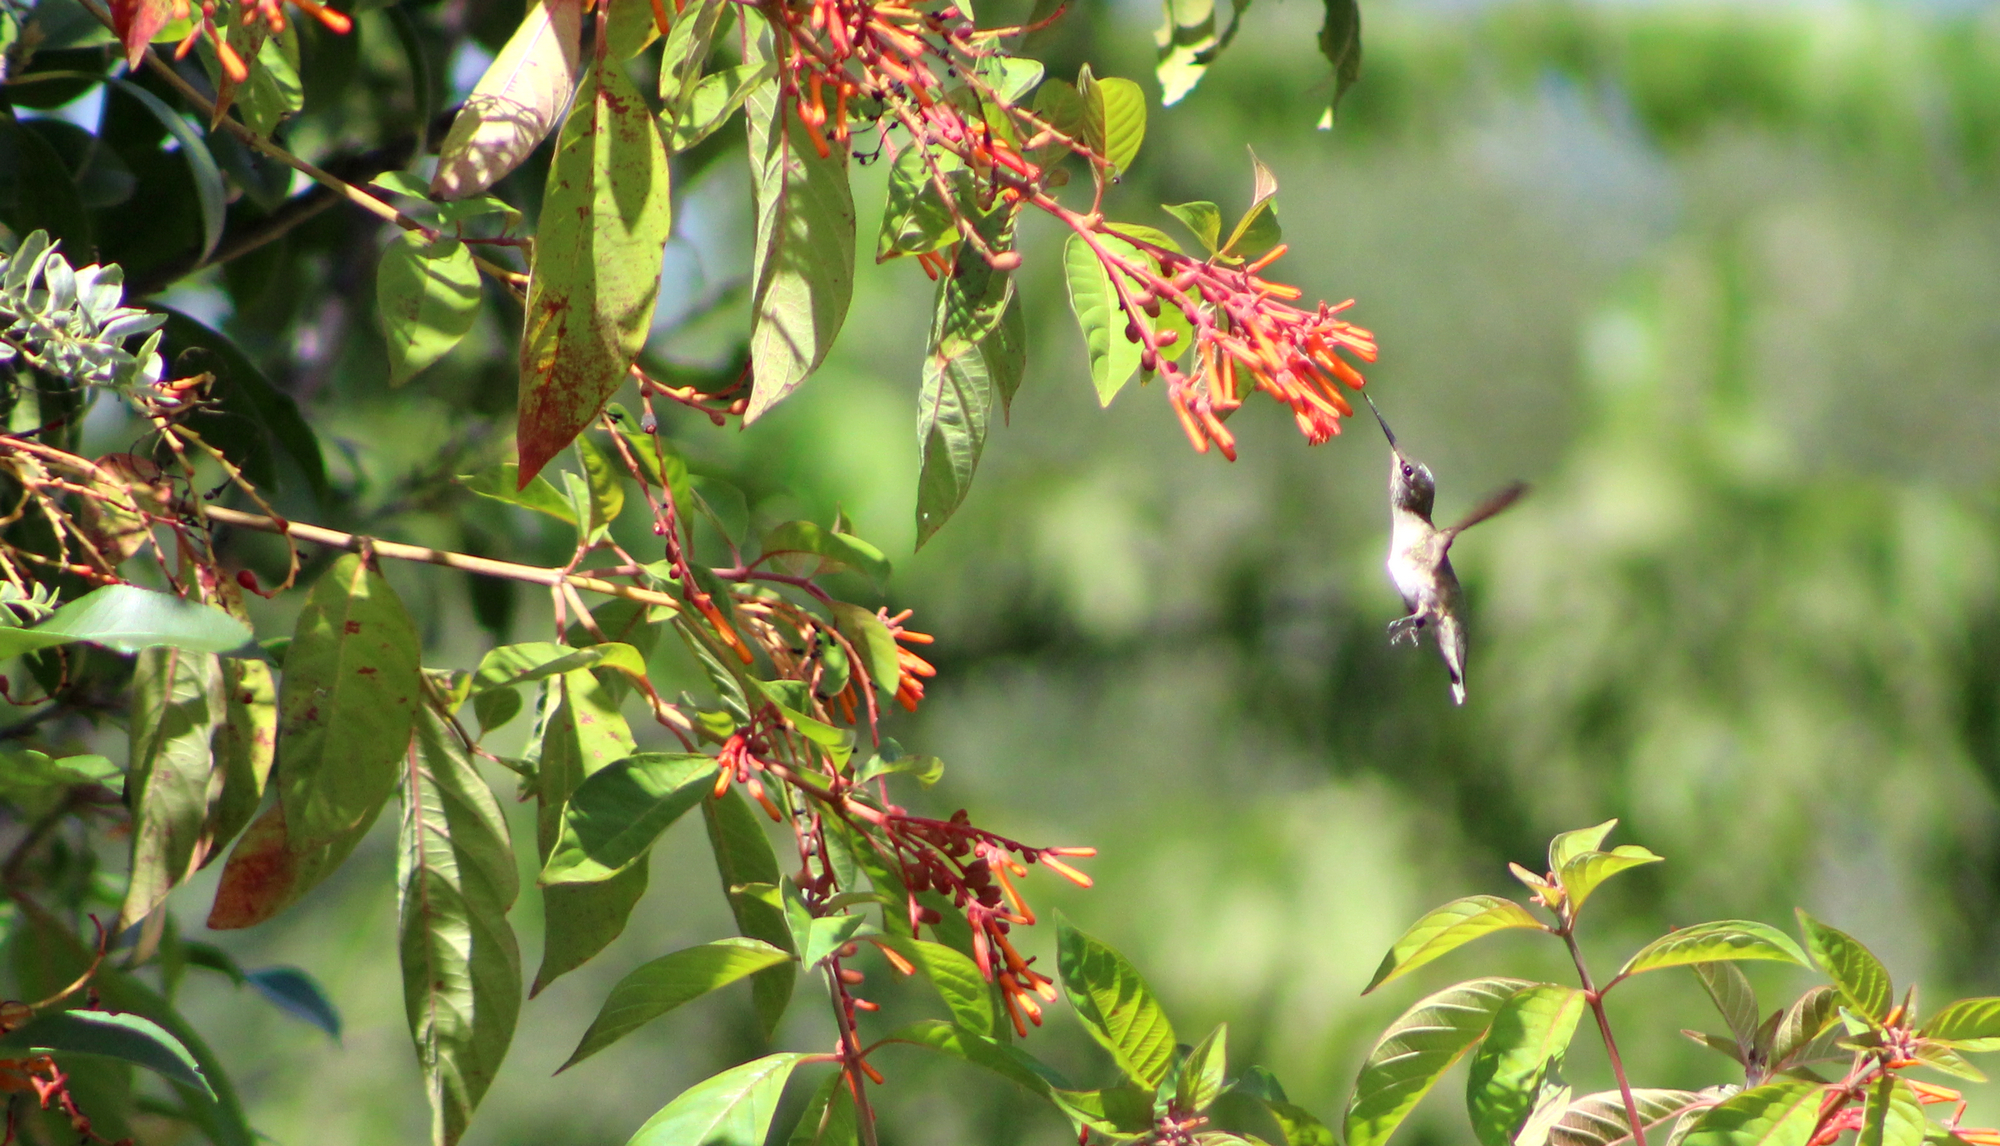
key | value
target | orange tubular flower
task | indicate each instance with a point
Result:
(909, 684)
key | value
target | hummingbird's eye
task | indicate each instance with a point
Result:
(1407, 471)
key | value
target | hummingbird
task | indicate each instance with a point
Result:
(1419, 561)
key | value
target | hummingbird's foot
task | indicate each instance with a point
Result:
(1405, 628)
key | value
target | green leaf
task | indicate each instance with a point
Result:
(835, 551)
(1115, 1005)
(1061, 106)
(1893, 1116)
(743, 856)
(1094, 300)
(516, 102)
(631, 30)
(1781, 1112)
(126, 1037)
(733, 1108)
(1551, 1103)
(1859, 976)
(503, 483)
(1416, 1050)
(802, 271)
(348, 704)
(461, 964)
(1797, 1037)
(511, 665)
(606, 216)
(1722, 940)
(926, 770)
(246, 745)
(872, 641)
(1943, 1058)
(1599, 1119)
(1121, 1113)
(426, 296)
(716, 99)
(177, 702)
(669, 981)
(916, 219)
(42, 195)
(1203, 220)
(1186, 38)
(585, 734)
(1971, 1024)
(614, 816)
(1729, 989)
(683, 57)
(606, 478)
(127, 618)
(1257, 231)
(965, 991)
(1301, 1126)
(657, 458)
(978, 355)
(1340, 43)
(1566, 846)
(1007, 1061)
(1583, 872)
(1202, 1073)
(1525, 1044)
(269, 869)
(829, 1118)
(1448, 928)
(1114, 118)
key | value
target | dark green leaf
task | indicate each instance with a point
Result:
(669, 981)
(246, 417)
(1859, 976)
(733, 1108)
(1416, 1050)
(297, 994)
(829, 1118)
(916, 218)
(246, 745)
(835, 551)
(1340, 43)
(1525, 1044)
(614, 816)
(743, 856)
(1115, 1005)
(585, 734)
(1447, 929)
(176, 704)
(977, 357)
(461, 963)
(872, 641)
(802, 273)
(44, 196)
(1722, 940)
(128, 1037)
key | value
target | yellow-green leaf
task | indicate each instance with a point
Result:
(1448, 928)
(427, 296)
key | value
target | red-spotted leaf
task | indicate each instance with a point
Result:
(347, 705)
(137, 22)
(515, 104)
(606, 215)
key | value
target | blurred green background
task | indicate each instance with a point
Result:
(1721, 279)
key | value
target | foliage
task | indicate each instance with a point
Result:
(1520, 1032)
(282, 754)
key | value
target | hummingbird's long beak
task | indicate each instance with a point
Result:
(1386, 431)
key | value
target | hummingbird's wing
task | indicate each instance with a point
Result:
(1487, 508)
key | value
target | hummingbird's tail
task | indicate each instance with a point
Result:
(1451, 645)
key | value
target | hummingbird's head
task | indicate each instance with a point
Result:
(1411, 486)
